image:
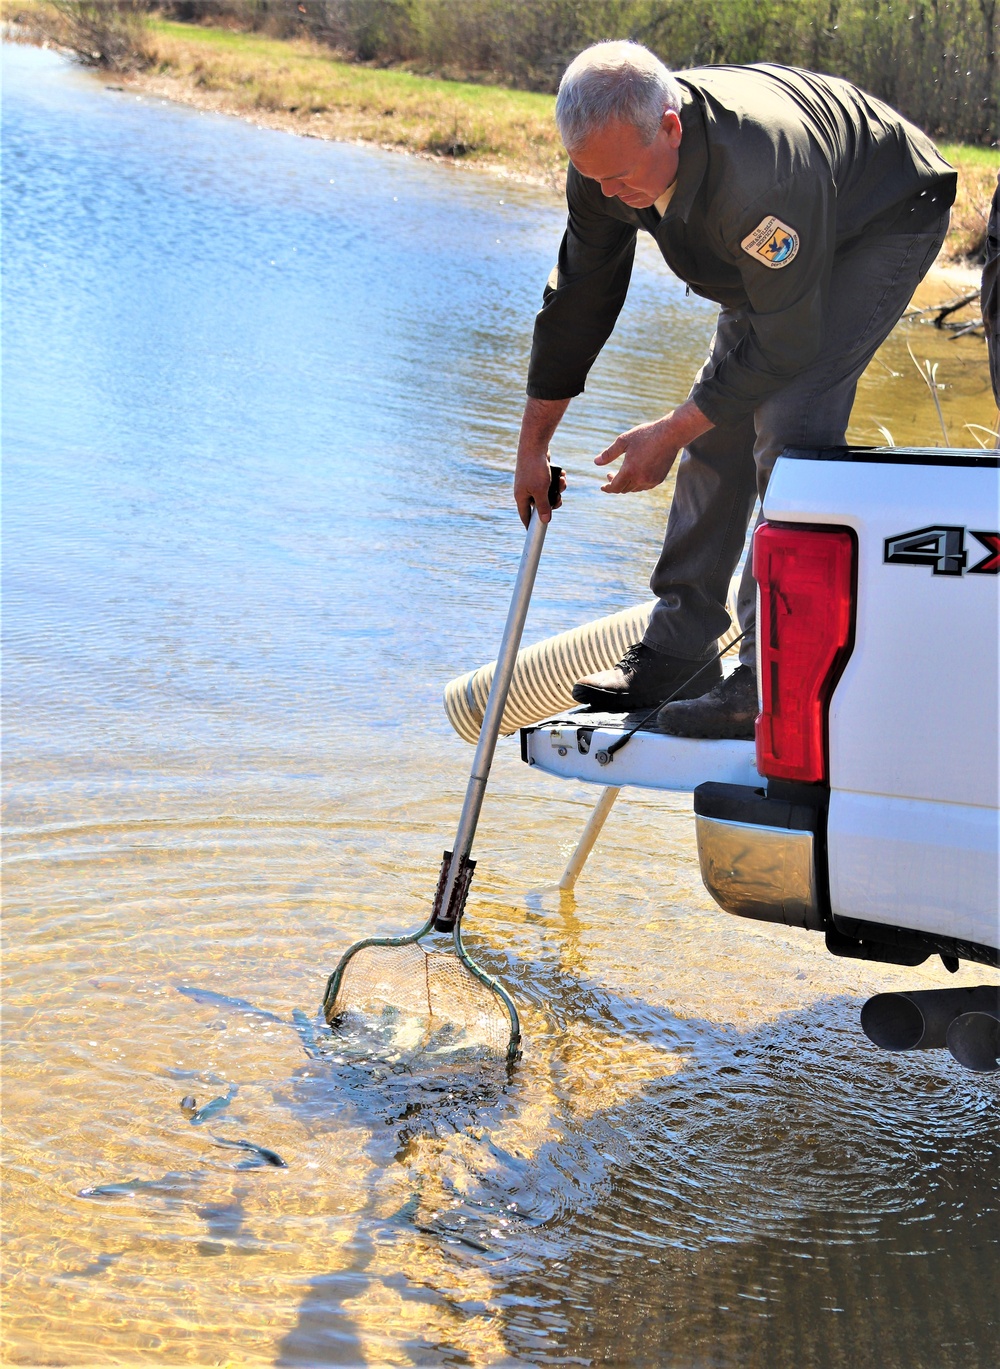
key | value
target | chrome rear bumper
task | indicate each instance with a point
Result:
(757, 855)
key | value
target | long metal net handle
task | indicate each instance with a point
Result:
(455, 887)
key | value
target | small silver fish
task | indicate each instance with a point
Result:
(223, 1001)
(258, 1154)
(213, 1106)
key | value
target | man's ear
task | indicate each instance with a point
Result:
(671, 126)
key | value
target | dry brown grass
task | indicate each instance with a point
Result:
(977, 178)
(301, 86)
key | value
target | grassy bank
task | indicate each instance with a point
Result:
(297, 85)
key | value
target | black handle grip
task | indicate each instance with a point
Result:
(555, 494)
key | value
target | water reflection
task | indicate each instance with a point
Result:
(260, 398)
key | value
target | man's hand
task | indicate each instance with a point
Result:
(532, 477)
(651, 449)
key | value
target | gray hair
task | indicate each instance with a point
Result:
(614, 81)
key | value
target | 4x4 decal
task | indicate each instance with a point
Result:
(989, 565)
(943, 550)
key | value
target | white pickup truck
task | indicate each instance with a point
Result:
(869, 807)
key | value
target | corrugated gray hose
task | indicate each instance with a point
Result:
(546, 672)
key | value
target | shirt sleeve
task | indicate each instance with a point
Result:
(787, 295)
(584, 294)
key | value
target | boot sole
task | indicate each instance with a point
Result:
(608, 701)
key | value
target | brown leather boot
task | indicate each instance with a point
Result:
(642, 679)
(727, 711)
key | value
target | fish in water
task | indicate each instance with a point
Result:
(259, 1155)
(194, 1074)
(167, 1186)
(212, 1107)
(97, 1266)
(309, 1031)
(227, 1004)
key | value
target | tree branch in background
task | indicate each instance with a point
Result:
(103, 33)
(940, 314)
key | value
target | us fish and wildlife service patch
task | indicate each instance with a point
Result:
(772, 242)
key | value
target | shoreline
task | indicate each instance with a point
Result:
(298, 88)
(958, 274)
(167, 87)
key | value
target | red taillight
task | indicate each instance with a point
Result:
(806, 582)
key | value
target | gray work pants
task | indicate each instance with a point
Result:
(721, 474)
(990, 295)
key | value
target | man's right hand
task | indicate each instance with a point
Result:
(531, 487)
(532, 476)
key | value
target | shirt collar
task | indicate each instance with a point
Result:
(660, 205)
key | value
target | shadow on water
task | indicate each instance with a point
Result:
(764, 1205)
(400, 1096)
(781, 1196)
(847, 1249)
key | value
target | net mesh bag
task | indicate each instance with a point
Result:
(417, 999)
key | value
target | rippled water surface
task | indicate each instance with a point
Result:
(260, 400)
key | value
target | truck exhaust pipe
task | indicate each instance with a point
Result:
(974, 1040)
(920, 1020)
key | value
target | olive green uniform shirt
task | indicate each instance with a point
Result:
(779, 169)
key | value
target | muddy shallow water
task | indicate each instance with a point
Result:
(260, 399)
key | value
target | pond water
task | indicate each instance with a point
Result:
(261, 396)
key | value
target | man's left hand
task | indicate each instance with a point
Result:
(651, 449)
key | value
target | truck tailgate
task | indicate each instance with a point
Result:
(574, 744)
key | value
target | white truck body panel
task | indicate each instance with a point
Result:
(924, 866)
(915, 712)
(913, 835)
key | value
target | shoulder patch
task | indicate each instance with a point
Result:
(772, 242)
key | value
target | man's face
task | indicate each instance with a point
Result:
(637, 173)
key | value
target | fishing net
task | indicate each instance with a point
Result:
(392, 991)
(406, 998)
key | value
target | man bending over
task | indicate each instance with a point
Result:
(808, 211)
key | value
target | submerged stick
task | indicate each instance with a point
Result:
(588, 837)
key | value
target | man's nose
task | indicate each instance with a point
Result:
(611, 188)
